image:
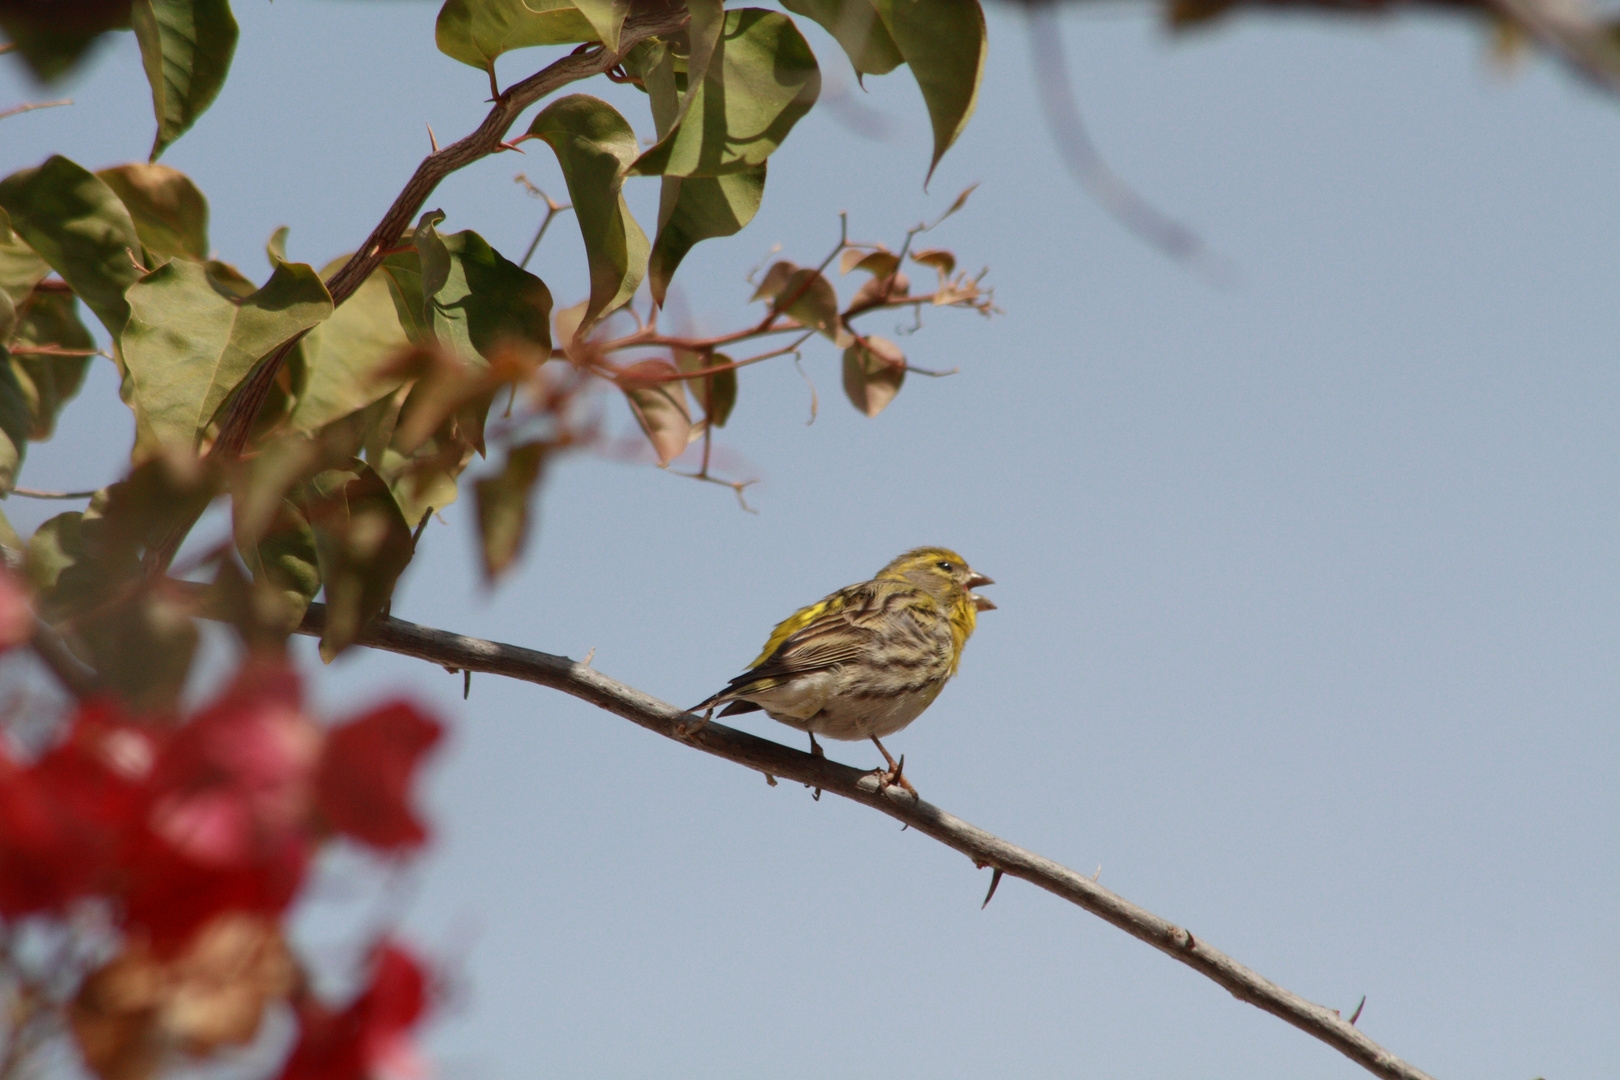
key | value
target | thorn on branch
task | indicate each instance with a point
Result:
(995, 879)
(432, 141)
(1357, 1014)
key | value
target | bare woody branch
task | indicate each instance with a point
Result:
(560, 673)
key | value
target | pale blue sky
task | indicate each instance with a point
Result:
(1308, 589)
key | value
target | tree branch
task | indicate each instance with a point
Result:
(560, 673)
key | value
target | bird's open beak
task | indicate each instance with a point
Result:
(975, 579)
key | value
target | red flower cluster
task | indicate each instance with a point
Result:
(200, 834)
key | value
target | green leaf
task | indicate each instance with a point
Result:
(228, 279)
(285, 560)
(606, 18)
(874, 368)
(21, 268)
(459, 292)
(761, 80)
(362, 544)
(717, 393)
(15, 421)
(944, 42)
(699, 208)
(659, 404)
(126, 625)
(477, 31)
(55, 546)
(804, 294)
(170, 214)
(505, 506)
(346, 357)
(487, 303)
(50, 320)
(12, 548)
(82, 230)
(594, 145)
(856, 26)
(186, 48)
(189, 344)
(52, 44)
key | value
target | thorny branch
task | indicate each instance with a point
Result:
(465, 654)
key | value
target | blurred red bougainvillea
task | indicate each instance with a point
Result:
(196, 835)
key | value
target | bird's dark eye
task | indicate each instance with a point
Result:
(944, 564)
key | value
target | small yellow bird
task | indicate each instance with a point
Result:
(867, 660)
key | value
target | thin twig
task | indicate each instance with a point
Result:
(553, 208)
(588, 684)
(30, 493)
(17, 109)
(53, 350)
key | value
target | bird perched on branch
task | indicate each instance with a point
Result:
(867, 660)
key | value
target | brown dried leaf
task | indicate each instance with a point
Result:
(938, 258)
(658, 398)
(880, 264)
(874, 368)
(139, 1007)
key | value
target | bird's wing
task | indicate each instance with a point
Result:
(827, 633)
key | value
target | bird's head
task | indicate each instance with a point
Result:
(943, 574)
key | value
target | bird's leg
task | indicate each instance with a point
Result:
(896, 770)
(815, 751)
(688, 732)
